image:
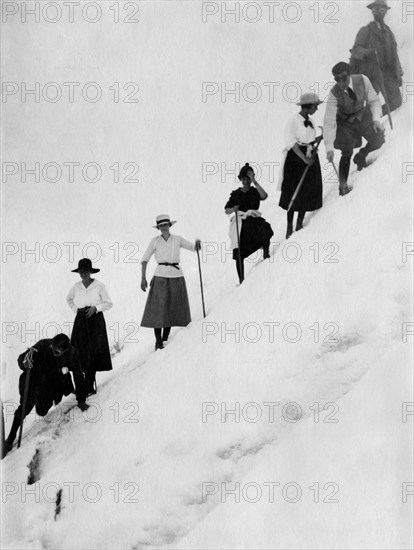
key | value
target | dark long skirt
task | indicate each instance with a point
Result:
(90, 338)
(167, 304)
(309, 197)
(255, 233)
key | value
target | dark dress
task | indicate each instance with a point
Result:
(309, 197)
(255, 232)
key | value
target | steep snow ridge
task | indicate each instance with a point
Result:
(171, 452)
(367, 454)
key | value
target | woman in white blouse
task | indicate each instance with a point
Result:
(89, 299)
(300, 136)
(167, 304)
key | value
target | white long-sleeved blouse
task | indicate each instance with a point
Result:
(295, 132)
(167, 251)
(95, 295)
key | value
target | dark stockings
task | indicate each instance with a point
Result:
(344, 165)
(299, 221)
(239, 263)
(161, 335)
(90, 382)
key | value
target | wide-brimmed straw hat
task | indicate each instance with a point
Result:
(310, 98)
(378, 4)
(85, 265)
(163, 218)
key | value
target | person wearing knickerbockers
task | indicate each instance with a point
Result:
(353, 111)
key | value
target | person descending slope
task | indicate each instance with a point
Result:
(254, 232)
(167, 303)
(89, 299)
(353, 112)
(375, 55)
(46, 368)
(300, 153)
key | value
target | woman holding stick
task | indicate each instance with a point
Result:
(249, 231)
(167, 304)
(299, 153)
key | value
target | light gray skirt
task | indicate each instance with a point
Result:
(167, 304)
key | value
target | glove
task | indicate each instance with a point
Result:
(28, 360)
(83, 406)
(198, 244)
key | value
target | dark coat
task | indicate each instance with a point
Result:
(47, 382)
(371, 38)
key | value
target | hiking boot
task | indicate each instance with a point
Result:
(360, 160)
(159, 345)
(344, 190)
(8, 446)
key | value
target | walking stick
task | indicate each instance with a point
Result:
(26, 391)
(3, 442)
(384, 93)
(336, 170)
(302, 179)
(238, 248)
(201, 282)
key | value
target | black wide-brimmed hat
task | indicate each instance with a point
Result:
(378, 4)
(85, 265)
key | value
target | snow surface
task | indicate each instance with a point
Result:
(143, 448)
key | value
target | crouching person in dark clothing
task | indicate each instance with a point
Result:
(50, 362)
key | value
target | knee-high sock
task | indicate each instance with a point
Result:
(344, 165)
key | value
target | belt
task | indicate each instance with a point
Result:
(172, 265)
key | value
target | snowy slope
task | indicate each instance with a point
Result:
(171, 452)
(143, 449)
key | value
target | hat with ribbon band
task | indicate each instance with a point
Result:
(163, 218)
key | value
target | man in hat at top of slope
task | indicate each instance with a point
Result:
(378, 37)
(353, 112)
(50, 362)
